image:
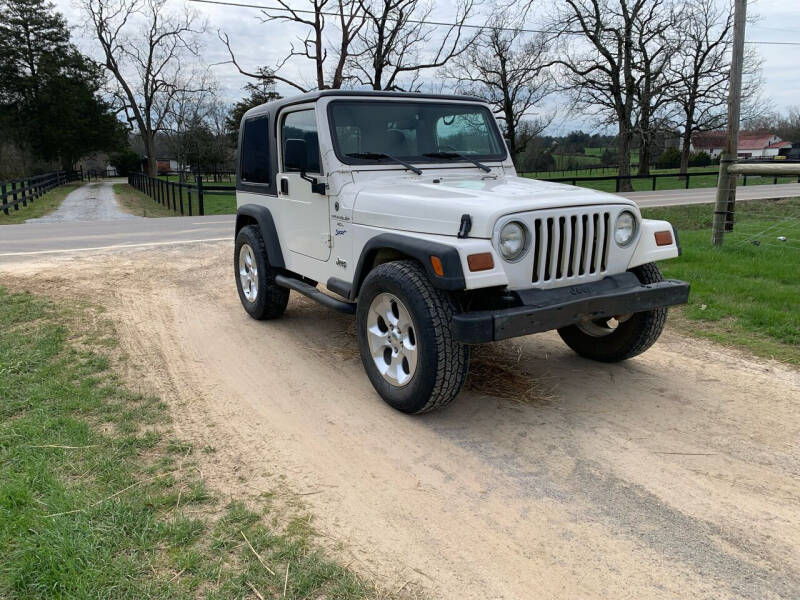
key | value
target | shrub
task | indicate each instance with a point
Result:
(126, 161)
(609, 157)
(699, 159)
(669, 159)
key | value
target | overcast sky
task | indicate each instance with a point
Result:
(258, 44)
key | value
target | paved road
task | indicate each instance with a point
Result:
(704, 195)
(59, 236)
(90, 202)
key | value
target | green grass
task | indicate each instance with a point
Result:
(139, 204)
(220, 205)
(39, 207)
(99, 500)
(743, 294)
(214, 204)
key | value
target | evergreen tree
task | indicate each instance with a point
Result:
(258, 93)
(49, 92)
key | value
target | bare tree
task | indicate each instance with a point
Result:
(313, 46)
(701, 69)
(510, 70)
(397, 42)
(655, 46)
(145, 48)
(601, 54)
(187, 112)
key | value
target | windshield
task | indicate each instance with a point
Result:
(426, 132)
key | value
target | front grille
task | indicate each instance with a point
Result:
(570, 246)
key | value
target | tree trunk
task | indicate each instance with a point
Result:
(624, 152)
(152, 160)
(511, 133)
(644, 155)
(685, 151)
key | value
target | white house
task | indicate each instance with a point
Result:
(751, 145)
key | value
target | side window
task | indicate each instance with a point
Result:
(255, 153)
(302, 125)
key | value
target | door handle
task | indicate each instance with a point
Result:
(284, 185)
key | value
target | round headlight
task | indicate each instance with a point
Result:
(625, 228)
(512, 240)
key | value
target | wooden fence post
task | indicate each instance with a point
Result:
(5, 199)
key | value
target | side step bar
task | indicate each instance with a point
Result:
(313, 293)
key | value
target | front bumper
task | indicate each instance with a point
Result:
(543, 310)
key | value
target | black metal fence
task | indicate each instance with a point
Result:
(655, 177)
(23, 191)
(181, 197)
(217, 176)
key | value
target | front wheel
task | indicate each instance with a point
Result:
(618, 338)
(404, 337)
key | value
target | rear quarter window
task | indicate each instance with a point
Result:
(255, 151)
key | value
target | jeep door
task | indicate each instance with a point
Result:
(305, 213)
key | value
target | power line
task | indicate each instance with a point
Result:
(437, 23)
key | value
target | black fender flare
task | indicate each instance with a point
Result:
(263, 217)
(421, 250)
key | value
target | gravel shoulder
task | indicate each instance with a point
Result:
(674, 475)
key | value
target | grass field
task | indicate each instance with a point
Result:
(39, 207)
(139, 203)
(743, 294)
(99, 499)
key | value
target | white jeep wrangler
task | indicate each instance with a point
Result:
(407, 208)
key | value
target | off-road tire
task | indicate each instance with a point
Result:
(271, 299)
(442, 363)
(631, 337)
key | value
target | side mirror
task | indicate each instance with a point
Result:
(295, 157)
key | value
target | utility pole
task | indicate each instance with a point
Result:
(726, 185)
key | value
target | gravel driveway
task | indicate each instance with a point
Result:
(90, 202)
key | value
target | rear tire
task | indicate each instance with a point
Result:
(630, 338)
(405, 341)
(261, 297)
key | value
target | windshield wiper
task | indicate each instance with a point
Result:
(380, 155)
(454, 155)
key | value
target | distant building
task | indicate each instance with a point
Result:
(751, 145)
(97, 163)
(164, 165)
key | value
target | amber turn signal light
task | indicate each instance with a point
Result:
(663, 238)
(480, 262)
(436, 263)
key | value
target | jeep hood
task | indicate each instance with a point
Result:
(435, 203)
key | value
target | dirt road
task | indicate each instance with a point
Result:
(675, 475)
